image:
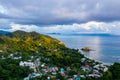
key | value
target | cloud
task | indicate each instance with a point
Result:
(59, 12)
(89, 27)
(27, 28)
(2, 10)
(4, 24)
(71, 16)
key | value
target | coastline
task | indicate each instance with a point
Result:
(101, 44)
(108, 64)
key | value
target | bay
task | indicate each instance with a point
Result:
(106, 47)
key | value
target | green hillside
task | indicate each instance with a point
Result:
(34, 56)
(28, 46)
(32, 43)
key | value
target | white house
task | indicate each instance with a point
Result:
(29, 64)
(21, 63)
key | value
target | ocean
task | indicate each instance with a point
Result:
(106, 47)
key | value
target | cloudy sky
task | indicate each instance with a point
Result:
(71, 16)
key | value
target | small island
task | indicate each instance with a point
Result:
(86, 49)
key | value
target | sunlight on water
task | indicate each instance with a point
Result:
(106, 48)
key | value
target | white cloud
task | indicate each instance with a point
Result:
(27, 28)
(59, 11)
(3, 10)
(89, 27)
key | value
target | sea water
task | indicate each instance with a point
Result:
(106, 48)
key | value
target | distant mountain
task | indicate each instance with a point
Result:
(54, 33)
(4, 32)
(94, 34)
(83, 34)
(89, 34)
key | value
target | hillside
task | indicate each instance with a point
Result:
(34, 56)
(32, 42)
(29, 46)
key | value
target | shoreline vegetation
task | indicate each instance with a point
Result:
(34, 56)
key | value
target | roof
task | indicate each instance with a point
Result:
(77, 78)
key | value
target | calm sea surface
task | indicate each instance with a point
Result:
(107, 48)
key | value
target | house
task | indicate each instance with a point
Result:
(101, 67)
(85, 68)
(21, 63)
(94, 75)
(77, 78)
(11, 56)
(17, 57)
(29, 64)
(74, 76)
(43, 64)
(83, 59)
(33, 75)
(48, 78)
(54, 73)
(62, 70)
(105, 69)
(97, 66)
(95, 71)
(70, 79)
(26, 78)
(56, 68)
(82, 76)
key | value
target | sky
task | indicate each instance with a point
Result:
(61, 16)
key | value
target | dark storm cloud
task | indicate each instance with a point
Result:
(59, 11)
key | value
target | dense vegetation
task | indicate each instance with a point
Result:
(115, 70)
(10, 70)
(20, 43)
(23, 44)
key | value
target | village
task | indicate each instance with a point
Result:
(41, 68)
(51, 71)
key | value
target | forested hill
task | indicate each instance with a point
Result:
(28, 42)
(28, 47)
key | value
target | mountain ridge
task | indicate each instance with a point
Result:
(4, 32)
(27, 41)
